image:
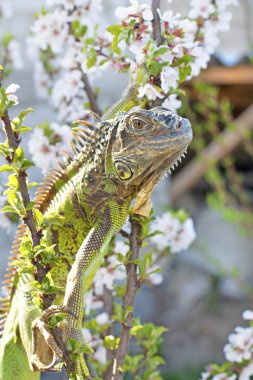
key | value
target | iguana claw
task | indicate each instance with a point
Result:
(41, 332)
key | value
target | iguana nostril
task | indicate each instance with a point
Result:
(179, 125)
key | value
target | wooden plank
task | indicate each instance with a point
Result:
(220, 75)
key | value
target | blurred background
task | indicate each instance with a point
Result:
(206, 288)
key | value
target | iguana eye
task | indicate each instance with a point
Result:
(138, 125)
(123, 171)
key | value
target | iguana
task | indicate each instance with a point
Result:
(120, 158)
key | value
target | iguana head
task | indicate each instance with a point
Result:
(145, 147)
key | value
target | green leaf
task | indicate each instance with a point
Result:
(134, 330)
(26, 164)
(111, 343)
(30, 206)
(38, 217)
(24, 129)
(9, 209)
(160, 51)
(6, 168)
(92, 57)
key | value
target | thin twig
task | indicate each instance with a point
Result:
(108, 302)
(157, 34)
(128, 301)
(91, 96)
(156, 22)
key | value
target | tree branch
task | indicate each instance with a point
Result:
(128, 301)
(156, 22)
(211, 155)
(91, 96)
(14, 142)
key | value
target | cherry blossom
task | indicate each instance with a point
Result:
(5, 9)
(121, 247)
(135, 10)
(51, 29)
(10, 90)
(184, 238)
(201, 8)
(172, 103)
(14, 55)
(248, 315)
(169, 78)
(95, 343)
(150, 92)
(240, 346)
(44, 153)
(102, 318)
(247, 372)
(92, 302)
(224, 376)
(106, 276)
(170, 18)
(173, 234)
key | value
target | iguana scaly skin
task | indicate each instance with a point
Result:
(88, 201)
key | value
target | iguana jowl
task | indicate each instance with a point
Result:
(123, 158)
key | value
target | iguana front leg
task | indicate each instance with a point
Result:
(87, 261)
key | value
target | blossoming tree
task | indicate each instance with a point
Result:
(159, 50)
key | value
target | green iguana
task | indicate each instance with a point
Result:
(123, 157)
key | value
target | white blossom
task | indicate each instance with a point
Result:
(201, 8)
(10, 90)
(68, 86)
(43, 153)
(205, 375)
(135, 9)
(189, 28)
(68, 5)
(248, 315)
(149, 91)
(224, 376)
(247, 372)
(102, 318)
(211, 40)
(106, 276)
(169, 78)
(97, 344)
(168, 226)
(169, 17)
(172, 103)
(51, 29)
(42, 80)
(240, 346)
(201, 58)
(14, 56)
(137, 48)
(5, 9)
(173, 234)
(184, 238)
(121, 247)
(91, 302)
(100, 353)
